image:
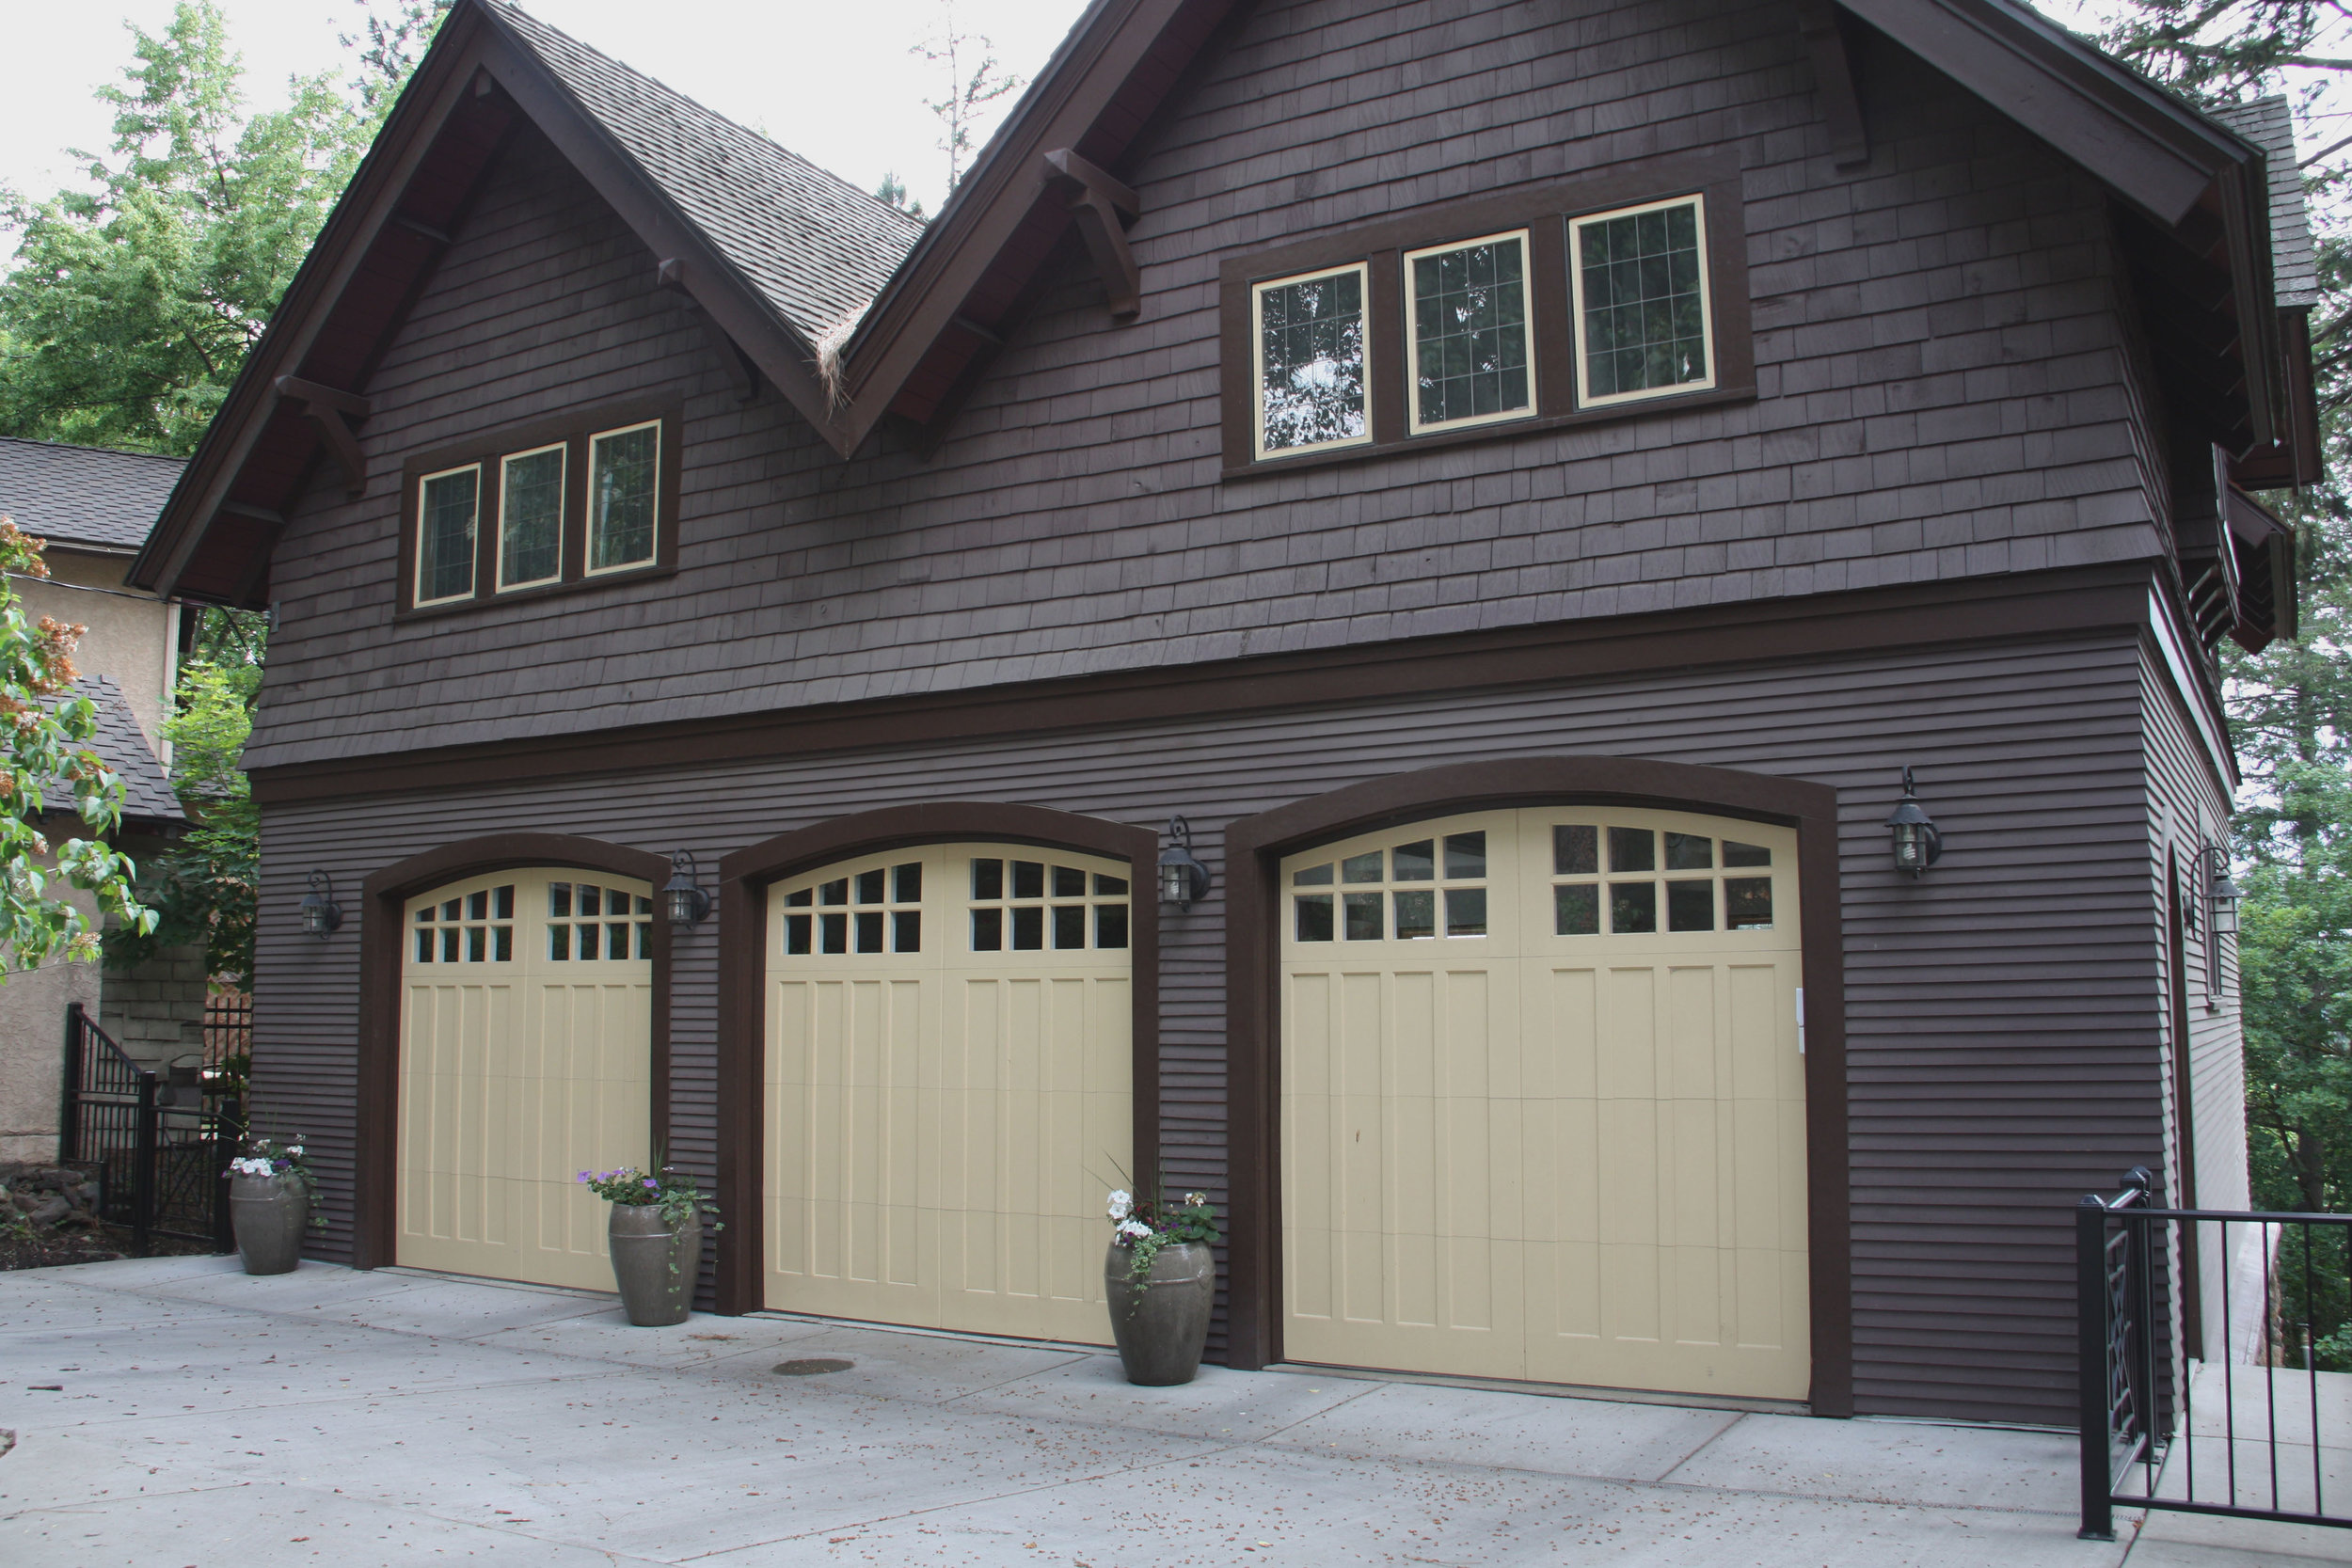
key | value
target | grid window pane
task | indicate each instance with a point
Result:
(988, 931)
(906, 935)
(988, 880)
(1691, 905)
(1576, 910)
(622, 469)
(560, 941)
(530, 517)
(1068, 883)
(906, 883)
(1110, 923)
(1070, 925)
(1029, 879)
(1632, 907)
(796, 934)
(869, 930)
(1748, 903)
(447, 509)
(1314, 917)
(1643, 313)
(1469, 332)
(1314, 876)
(1361, 868)
(871, 884)
(1632, 849)
(1466, 911)
(1364, 916)
(1690, 853)
(1109, 887)
(1745, 854)
(1415, 914)
(1465, 857)
(502, 949)
(1028, 929)
(1416, 862)
(1575, 850)
(833, 932)
(1311, 363)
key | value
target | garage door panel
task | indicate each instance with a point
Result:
(521, 1064)
(1566, 1142)
(1007, 1062)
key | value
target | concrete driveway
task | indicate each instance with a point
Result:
(174, 1411)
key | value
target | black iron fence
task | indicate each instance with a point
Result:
(2260, 1428)
(160, 1149)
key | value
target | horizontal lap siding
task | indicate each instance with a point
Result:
(2001, 1043)
(1942, 393)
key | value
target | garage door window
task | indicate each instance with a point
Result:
(588, 922)
(1412, 892)
(1027, 906)
(1689, 881)
(476, 928)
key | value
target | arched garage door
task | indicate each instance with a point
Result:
(948, 1075)
(525, 1059)
(1543, 1102)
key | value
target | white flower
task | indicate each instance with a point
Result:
(296, 1152)
(1192, 1200)
(1122, 1204)
(250, 1167)
(1134, 1229)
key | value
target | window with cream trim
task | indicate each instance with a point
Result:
(449, 510)
(564, 504)
(1639, 276)
(1311, 390)
(1473, 352)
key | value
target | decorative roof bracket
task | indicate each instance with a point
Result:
(326, 409)
(1102, 206)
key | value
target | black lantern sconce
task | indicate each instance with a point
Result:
(682, 899)
(320, 913)
(1918, 843)
(1184, 882)
(2221, 892)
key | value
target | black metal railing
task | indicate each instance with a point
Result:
(2248, 1431)
(161, 1153)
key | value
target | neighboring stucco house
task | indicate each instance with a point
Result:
(1524, 478)
(96, 508)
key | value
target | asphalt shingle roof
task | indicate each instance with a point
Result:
(2294, 265)
(816, 247)
(83, 494)
(147, 790)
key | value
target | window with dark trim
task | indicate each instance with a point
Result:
(551, 507)
(1605, 296)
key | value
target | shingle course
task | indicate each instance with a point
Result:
(2294, 265)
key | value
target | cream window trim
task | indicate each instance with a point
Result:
(1585, 398)
(473, 537)
(653, 539)
(1415, 424)
(562, 478)
(1362, 271)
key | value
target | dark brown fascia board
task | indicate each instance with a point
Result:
(2059, 603)
(727, 297)
(442, 82)
(2147, 146)
(925, 294)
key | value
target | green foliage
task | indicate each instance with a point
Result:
(975, 79)
(894, 191)
(45, 751)
(204, 888)
(134, 302)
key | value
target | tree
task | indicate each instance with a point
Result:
(973, 82)
(388, 48)
(204, 889)
(45, 752)
(894, 193)
(133, 303)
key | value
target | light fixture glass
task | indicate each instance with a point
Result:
(1183, 880)
(682, 899)
(2221, 892)
(1918, 843)
(319, 916)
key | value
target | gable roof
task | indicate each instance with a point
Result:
(90, 496)
(2269, 124)
(816, 247)
(783, 258)
(148, 797)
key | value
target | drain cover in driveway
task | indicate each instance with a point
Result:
(812, 1366)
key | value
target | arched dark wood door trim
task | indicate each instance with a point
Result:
(743, 878)
(376, 1155)
(1254, 849)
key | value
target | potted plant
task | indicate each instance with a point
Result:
(655, 1236)
(1161, 1278)
(269, 1204)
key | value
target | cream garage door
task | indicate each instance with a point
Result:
(1543, 1102)
(948, 1078)
(526, 1036)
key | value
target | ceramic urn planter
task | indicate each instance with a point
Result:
(653, 1264)
(270, 1214)
(1161, 1322)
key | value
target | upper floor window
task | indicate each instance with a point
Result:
(541, 509)
(1584, 300)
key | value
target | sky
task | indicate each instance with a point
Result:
(830, 79)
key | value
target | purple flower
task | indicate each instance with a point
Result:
(651, 1183)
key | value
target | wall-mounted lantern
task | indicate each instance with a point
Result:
(320, 914)
(1184, 882)
(1918, 843)
(2221, 892)
(682, 899)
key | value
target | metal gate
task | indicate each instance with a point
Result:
(160, 1150)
